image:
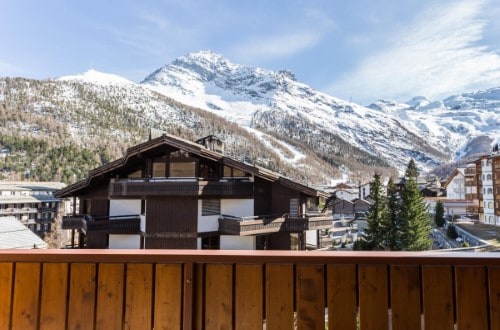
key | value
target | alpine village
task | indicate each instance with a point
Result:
(123, 206)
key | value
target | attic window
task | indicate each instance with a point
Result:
(182, 165)
(234, 172)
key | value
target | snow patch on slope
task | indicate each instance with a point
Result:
(99, 78)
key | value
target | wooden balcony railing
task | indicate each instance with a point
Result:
(180, 188)
(193, 289)
(244, 226)
(128, 224)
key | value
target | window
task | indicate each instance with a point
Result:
(210, 207)
(182, 165)
(159, 170)
(488, 177)
(234, 172)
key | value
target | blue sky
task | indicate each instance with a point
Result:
(359, 49)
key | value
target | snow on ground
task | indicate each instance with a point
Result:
(266, 139)
(99, 78)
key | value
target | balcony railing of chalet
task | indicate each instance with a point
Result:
(173, 187)
(273, 223)
(193, 289)
(125, 224)
(470, 171)
(471, 196)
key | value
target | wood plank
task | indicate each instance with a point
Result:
(6, 280)
(54, 296)
(494, 293)
(198, 294)
(310, 288)
(26, 295)
(168, 296)
(341, 296)
(373, 297)
(109, 310)
(405, 297)
(471, 297)
(218, 296)
(437, 286)
(279, 296)
(139, 296)
(82, 285)
(249, 296)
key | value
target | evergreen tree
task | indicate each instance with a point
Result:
(375, 228)
(392, 220)
(439, 214)
(415, 220)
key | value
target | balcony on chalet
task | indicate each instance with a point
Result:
(126, 224)
(180, 187)
(253, 225)
(193, 289)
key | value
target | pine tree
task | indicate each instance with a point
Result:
(415, 220)
(439, 214)
(392, 220)
(375, 229)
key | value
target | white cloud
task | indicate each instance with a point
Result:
(274, 46)
(437, 55)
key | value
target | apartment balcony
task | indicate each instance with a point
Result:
(193, 289)
(245, 226)
(470, 171)
(173, 187)
(126, 224)
(471, 196)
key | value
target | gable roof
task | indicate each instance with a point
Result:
(193, 148)
(15, 235)
(458, 171)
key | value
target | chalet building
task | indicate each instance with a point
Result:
(482, 182)
(347, 209)
(31, 203)
(170, 193)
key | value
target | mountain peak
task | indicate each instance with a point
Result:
(96, 77)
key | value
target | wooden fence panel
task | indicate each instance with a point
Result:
(373, 297)
(139, 296)
(341, 297)
(168, 296)
(310, 291)
(218, 296)
(6, 280)
(26, 295)
(405, 297)
(249, 297)
(54, 296)
(82, 285)
(471, 297)
(279, 296)
(109, 311)
(437, 292)
(494, 295)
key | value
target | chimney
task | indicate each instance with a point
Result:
(213, 143)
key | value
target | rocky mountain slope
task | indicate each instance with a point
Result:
(58, 129)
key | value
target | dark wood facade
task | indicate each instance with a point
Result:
(169, 177)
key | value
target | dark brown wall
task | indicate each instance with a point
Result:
(280, 199)
(171, 223)
(262, 200)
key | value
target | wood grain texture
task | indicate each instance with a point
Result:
(341, 296)
(373, 297)
(471, 298)
(218, 296)
(54, 296)
(310, 290)
(82, 286)
(279, 296)
(139, 296)
(438, 306)
(494, 295)
(249, 297)
(110, 284)
(6, 280)
(26, 295)
(405, 297)
(168, 296)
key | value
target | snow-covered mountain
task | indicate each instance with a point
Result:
(276, 103)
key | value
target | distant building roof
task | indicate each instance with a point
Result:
(30, 186)
(15, 235)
